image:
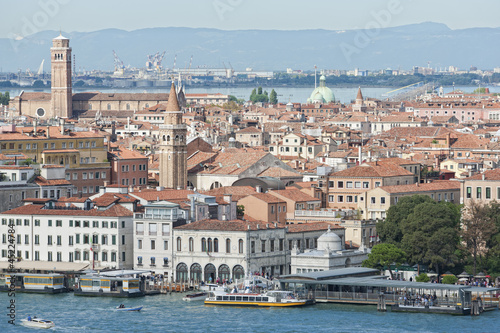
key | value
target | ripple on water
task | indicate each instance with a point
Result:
(168, 313)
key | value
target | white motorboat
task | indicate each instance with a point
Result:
(201, 296)
(123, 308)
(271, 298)
(37, 323)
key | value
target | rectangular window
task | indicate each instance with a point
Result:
(113, 240)
(357, 184)
(252, 246)
(366, 184)
(478, 192)
(263, 246)
(331, 198)
(58, 223)
(70, 242)
(49, 223)
(165, 245)
(382, 200)
(469, 192)
(377, 184)
(488, 193)
(75, 176)
(340, 184)
(59, 240)
(340, 198)
(84, 175)
(349, 185)
(71, 145)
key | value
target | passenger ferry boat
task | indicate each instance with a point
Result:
(110, 284)
(270, 298)
(35, 283)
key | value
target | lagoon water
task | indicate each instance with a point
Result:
(285, 94)
(168, 313)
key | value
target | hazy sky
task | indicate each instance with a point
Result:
(24, 17)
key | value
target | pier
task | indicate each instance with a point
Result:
(362, 286)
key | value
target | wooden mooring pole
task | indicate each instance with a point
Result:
(381, 303)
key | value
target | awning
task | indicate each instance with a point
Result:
(48, 266)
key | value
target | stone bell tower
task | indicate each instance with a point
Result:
(61, 89)
(173, 148)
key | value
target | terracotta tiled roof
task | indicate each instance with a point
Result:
(237, 192)
(424, 187)
(168, 195)
(113, 211)
(54, 131)
(50, 182)
(277, 172)
(373, 171)
(266, 197)
(488, 175)
(233, 225)
(126, 154)
(250, 129)
(294, 195)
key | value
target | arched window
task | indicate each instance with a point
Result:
(168, 138)
(181, 272)
(224, 272)
(90, 106)
(128, 106)
(179, 244)
(191, 244)
(176, 138)
(210, 245)
(195, 273)
(240, 246)
(228, 245)
(216, 245)
(108, 106)
(203, 245)
(182, 138)
(210, 271)
(164, 138)
(238, 272)
(215, 185)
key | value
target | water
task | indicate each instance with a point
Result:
(168, 313)
(285, 94)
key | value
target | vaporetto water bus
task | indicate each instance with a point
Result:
(35, 283)
(270, 298)
(124, 283)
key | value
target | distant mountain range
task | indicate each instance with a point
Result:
(399, 47)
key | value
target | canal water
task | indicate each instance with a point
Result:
(168, 313)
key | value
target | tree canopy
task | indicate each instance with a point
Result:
(384, 255)
(273, 97)
(257, 96)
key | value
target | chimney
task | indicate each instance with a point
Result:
(48, 132)
(35, 127)
(61, 122)
(483, 177)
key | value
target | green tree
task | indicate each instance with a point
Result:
(389, 230)
(240, 210)
(259, 91)
(422, 277)
(479, 91)
(478, 226)
(273, 97)
(431, 234)
(79, 83)
(253, 95)
(384, 255)
(449, 279)
(4, 98)
(232, 98)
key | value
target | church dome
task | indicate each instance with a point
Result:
(329, 241)
(322, 94)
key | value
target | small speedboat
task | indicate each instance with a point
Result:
(37, 323)
(201, 296)
(137, 308)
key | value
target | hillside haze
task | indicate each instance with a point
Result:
(404, 47)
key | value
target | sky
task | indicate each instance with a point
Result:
(26, 17)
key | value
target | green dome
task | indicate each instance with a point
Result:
(322, 94)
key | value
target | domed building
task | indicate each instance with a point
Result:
(321, 94)
(329, 254)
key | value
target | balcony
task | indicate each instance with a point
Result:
(168, 217)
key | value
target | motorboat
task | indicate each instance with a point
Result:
(137, 308)
(37, 323)
(270, 298)
(200, 296)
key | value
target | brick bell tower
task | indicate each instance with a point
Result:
(61, 89)
(173, 148)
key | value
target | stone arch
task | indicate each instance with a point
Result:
(224, 272)
(181, 272)
(195, 272)
(238, 272)
(215, 185)
(348, 262)
(210, 272)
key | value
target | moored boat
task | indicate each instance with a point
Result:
(195, 297)
(270, 298)
(37, 323)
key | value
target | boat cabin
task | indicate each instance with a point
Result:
(112, 283)
(37, 283)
